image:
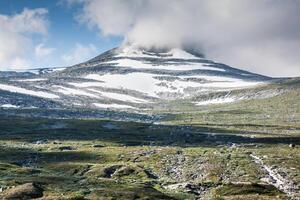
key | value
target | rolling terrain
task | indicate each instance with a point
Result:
(129, 78)
(149, 124)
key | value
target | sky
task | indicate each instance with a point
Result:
(261, 36)
(50, 36)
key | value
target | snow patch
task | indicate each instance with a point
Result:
(118, 96)
(32, 80)
(71, 91)
(175, 66)
(181, 54)
(15, 89)
(150, 85)
(57, 69)
(224, 82)
(9, 106)
(117, 106)
(142, 82)
(134, 51)
(87, 84)
(216, 101)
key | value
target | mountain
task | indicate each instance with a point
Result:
(132, 79)
(137, 123)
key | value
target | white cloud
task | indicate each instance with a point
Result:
(262, 35)
(16, 36)
(20, 63)
(79, 54)
(42, 51)
(29, 21)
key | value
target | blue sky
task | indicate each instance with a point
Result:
(64, 32)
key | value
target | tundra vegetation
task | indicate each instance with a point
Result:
(243, 150)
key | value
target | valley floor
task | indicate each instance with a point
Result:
(103, 159)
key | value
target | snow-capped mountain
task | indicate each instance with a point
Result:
(128, 78)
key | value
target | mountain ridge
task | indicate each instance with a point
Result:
(132, 79)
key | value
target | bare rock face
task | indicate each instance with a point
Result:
(23, 192)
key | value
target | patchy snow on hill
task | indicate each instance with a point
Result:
(216, 101)
(120, 97)
(71, 91)
(225, 82)
(151, 85)
(116, 106)
(15, 89)
(141, 82)
(176, 66)
(136, 52)
(130, 75)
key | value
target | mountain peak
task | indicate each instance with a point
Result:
(135, 78)
(153, 52)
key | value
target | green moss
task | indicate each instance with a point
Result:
(246, 189)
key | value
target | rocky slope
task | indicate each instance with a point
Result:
(127, 78)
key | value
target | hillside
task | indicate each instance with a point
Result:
(129, 78)
(149, 124)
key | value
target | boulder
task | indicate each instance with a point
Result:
(292, 145)
(23, 192)
(98, 146)
(65, 148)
